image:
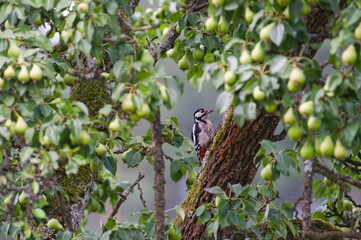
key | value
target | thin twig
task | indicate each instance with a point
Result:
(279, 137)
(141, 196)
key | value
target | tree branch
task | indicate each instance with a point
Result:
(307, 197)
(159, 181)
(279, 137)
(340, 179)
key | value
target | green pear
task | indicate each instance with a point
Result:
(211, 24)
(84, 138)
(307, 151)
(306, 108)
(2, 83)
(13, 51)
(327, 182)
(164, 93)
(297, 77)
(36, 74)
(8, 199)
(21, 126)
(295, 131)
(245, 57)
(9, 72)
(283, 3)
(218, 3)
(184, 63)
(264, 34)
(144, 110)
(198, 54)
(170, 52)
(147, 58)
(7, 24)
(318, 146)
(358, 32)
(39, 213)
(293, 87)
(289, 116)
(327, 146)
(339, 150)
(114, 125)
(287, 13)
(313, 123)
(270, 107)
(266, 172)
(66, 35)
(223, 25)
(23, 75)
(209, 57)
(248, 15)
(127, 104)
(101, 150)
(229, 77)
(258, 52)
(23, 198)
(306, 9)
(83, 7)
(347, 205)
(166, 30)
(258, 94)
(349, 56)
(68, 79)
(54, 224)
(38, 21)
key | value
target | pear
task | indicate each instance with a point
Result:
(258, 52)
(46, 140)
(349, 56)
(307, 151)
(229, 77)
(306, 108)
(127, 104)
(21, 126)
(223, 25)
(248, 15)
(13, 51)
(39, 213)
(218, 3)
(54, 224)
(289, 116)
(101, 150)
(266, 172)
(2, 83)
(23, 198)
(318, 146)
(209, 57)
(245, 57)
(9, 72)
(164, 94)
(306, 8)
(166, 30)
(147, 58)
(66, 35)
(297, 76)
(270, 107)
(7, 24)
(339, 151)
(327, 146)
(313, 123)
(36, 74)
(69, 79)
(198, 54)
(84, 138)
(347, 205)
(170, 52)
(8, 199)
(327, 182)
(184, 63)
(264, 34)
(38, 21)
(83, 8)
(258, 94)
(287, 13)
(358, 32)
(211, 24)
(293, 87)
(114, 125)
(23, 75)
(144, 110)
(295, 131)
(283, 3)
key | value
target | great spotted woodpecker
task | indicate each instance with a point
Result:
(202, 132)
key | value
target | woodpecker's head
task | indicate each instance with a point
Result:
(201, 114)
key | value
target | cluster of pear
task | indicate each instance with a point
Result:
(325, 147)
(349, 55)
(23, 75)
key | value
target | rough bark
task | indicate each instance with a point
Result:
(231, 158)
(159, 180)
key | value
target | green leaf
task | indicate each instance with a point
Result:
(333, 81)
(268, 145)
(330, 5)
(295, 8)
(25, 153)
(278, 64)
(133, 158)
(119, 69)
(215, 190)
(200, 210)
(144, 217)
(63, 235)
(183, 21)
(277, 33)
(3, 60)
(179, 210)
(224, 100)
(110, 164)
(193, 18)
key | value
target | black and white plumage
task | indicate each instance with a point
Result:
(202, 132)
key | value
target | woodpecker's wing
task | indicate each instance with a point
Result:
(195, 132)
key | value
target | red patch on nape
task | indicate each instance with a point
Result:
(202, 152)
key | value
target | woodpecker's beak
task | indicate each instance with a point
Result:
(209, 111)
